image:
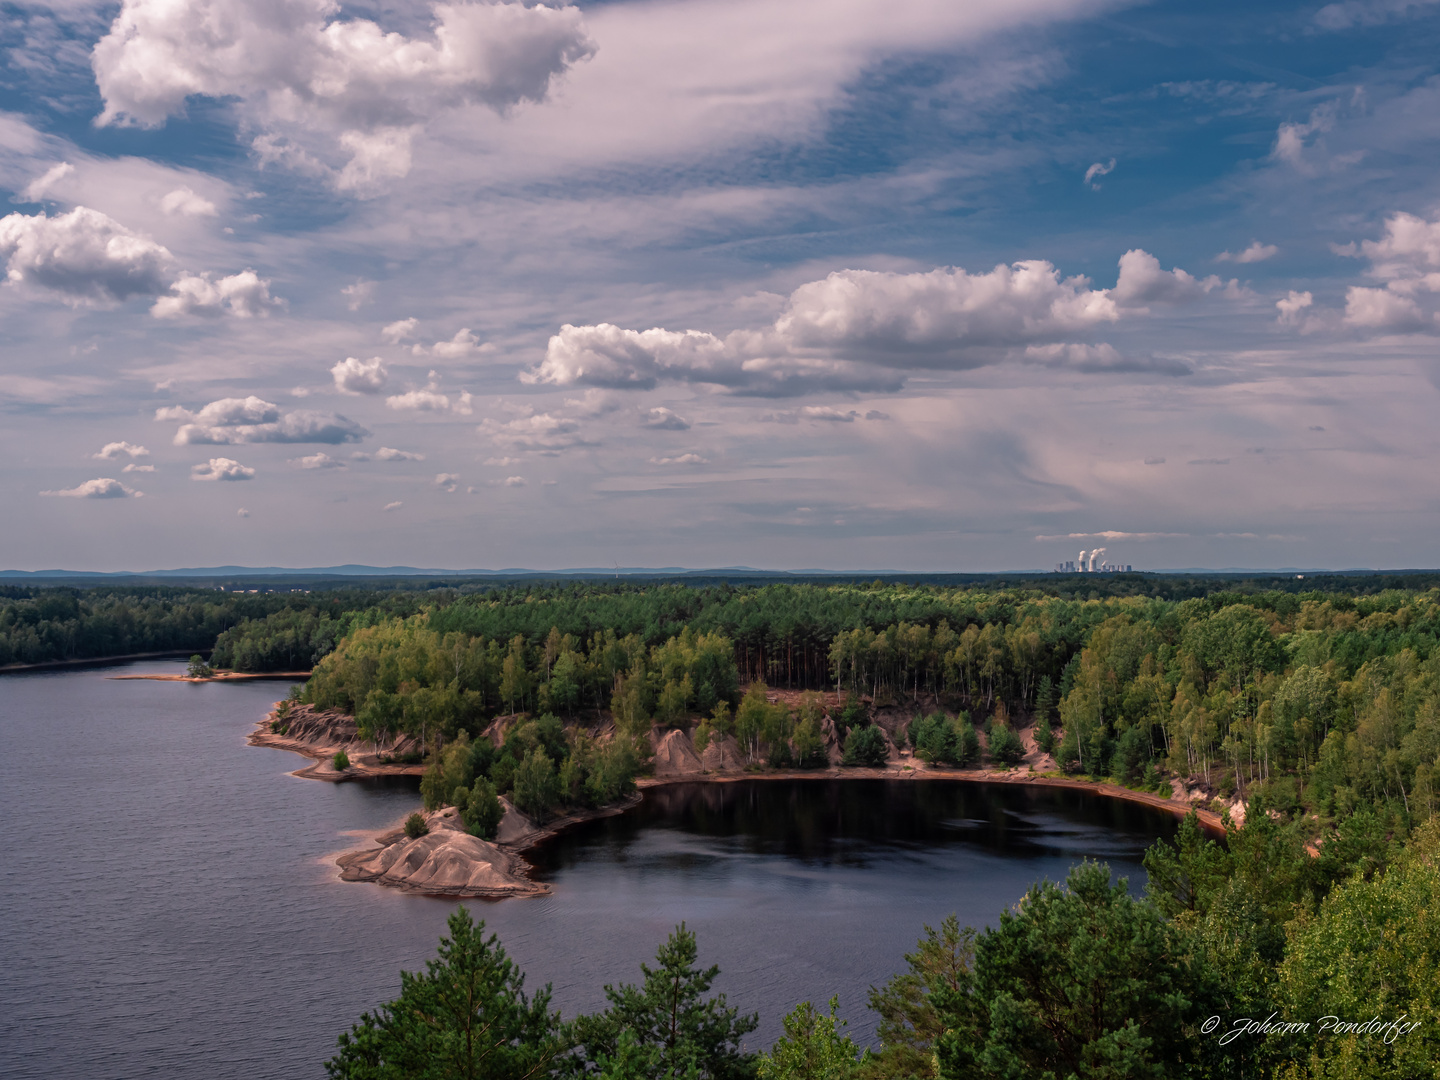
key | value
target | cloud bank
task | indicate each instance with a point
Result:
(859, 329)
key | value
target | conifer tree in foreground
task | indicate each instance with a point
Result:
(465, 1018)
(666, 1029)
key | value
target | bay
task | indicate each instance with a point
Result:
(171, 905)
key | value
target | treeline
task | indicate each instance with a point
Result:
(1252, 960)
(249, 631)
(39, 626)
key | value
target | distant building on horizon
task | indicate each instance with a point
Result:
(1092, 562)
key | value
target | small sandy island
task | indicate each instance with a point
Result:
(448, 861)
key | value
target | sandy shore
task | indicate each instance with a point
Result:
(222, 676)
(320, 735)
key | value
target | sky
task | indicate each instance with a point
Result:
(843, 284)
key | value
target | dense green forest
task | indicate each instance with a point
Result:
(62, 623)
(1315, 704)
(1245, 960)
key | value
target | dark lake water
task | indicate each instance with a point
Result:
(171, 908)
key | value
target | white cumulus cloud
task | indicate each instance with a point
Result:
(221, 468)
(1299, 144)
(542, 433)
(430, 398)
(1256, 252)
(83, 255)
(1142, 281)
(327, 90)
(463, 344)
(1291, 305)
(321, 460)
(234, 421)
(1406, 261)
(245, 294)
(100, 488)
(111, 451)
(1384, 310)
(354, 376)
(398, 330)
(88, 258)
(187, 203)
(662, 419)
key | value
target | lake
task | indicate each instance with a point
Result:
(171, 906)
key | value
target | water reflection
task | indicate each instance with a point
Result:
(855, 822)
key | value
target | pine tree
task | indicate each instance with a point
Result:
(909, 1022)
(677, 1031)
(465, 1018)
(812, 1048)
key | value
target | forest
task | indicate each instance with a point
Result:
(1315, 705)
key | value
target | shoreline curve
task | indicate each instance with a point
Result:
(449, 862)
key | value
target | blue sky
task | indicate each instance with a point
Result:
(856, 284)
